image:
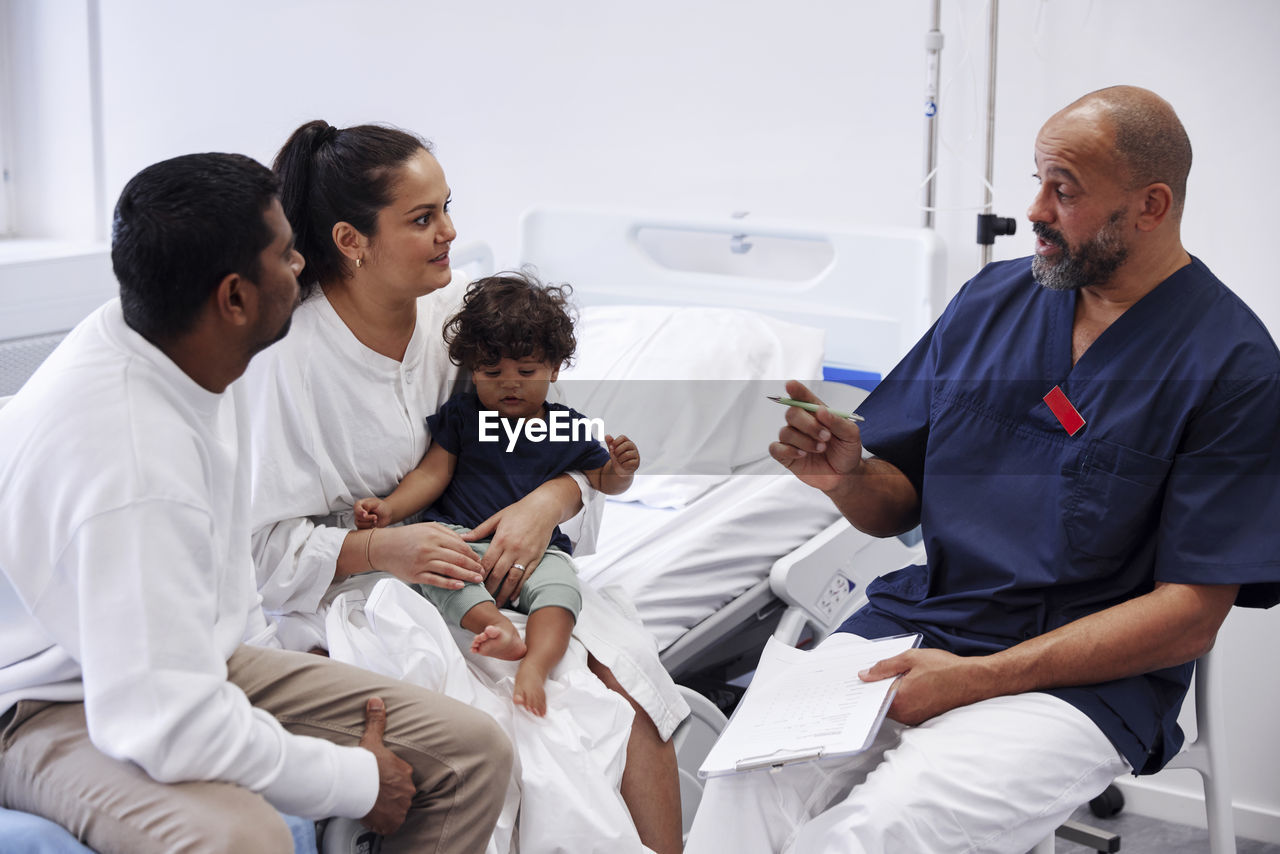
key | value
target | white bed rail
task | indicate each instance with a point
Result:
(873, 290)
(474, 258)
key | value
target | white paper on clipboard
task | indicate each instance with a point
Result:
(807, 704)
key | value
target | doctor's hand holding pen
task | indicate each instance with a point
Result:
(818, 447)
(824, 450)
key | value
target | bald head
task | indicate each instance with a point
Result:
(1150, 143)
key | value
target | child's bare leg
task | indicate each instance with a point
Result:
(548, 637)
(496, 636)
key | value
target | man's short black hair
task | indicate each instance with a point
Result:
(180, 227)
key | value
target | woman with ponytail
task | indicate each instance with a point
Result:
(339, 414)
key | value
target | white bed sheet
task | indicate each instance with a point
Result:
(680, 565)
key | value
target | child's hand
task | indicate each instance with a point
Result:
(372, 513)
(623, 453)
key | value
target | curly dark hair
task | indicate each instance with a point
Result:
(512, 315)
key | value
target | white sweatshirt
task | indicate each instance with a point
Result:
(334, 422)
(126, 577)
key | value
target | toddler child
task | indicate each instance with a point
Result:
(491, 447)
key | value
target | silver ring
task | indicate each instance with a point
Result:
(518, 566)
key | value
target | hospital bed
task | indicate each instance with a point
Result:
(720, 548)
(685, 325)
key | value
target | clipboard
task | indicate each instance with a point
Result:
(805, 705)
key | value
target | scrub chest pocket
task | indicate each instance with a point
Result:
(1115, 499)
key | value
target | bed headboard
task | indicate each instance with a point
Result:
(874, 290)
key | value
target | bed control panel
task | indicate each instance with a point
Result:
(838, 590)
(824, 581)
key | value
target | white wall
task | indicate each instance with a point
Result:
(52, 159)
(809, 109)
(1215, 62)
(700, 106)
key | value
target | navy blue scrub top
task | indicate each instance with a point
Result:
(1174, 477)
(488, 477)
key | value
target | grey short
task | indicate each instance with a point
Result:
(553, 582)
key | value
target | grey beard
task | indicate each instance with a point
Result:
(1093, 263)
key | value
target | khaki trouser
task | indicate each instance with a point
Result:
(461, 761)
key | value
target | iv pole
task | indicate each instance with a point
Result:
(991, 226)
(933, 48)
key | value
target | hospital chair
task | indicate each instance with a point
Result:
(1207, 755)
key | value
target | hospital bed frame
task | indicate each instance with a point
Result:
(873, 291)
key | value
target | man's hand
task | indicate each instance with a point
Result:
(1171, 625)
(933, 682)
(395, 776)
(825, 452)
(817, 447)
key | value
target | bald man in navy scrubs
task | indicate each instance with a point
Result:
(1088, 438)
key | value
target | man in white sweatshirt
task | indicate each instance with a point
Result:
(142, 704)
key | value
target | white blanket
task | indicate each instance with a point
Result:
(564, 787)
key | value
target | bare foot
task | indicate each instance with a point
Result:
(530, 690)
(499, 641)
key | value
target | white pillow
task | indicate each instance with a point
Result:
(668, 490)
(688, 385)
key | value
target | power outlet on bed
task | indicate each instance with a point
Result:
(836, 592)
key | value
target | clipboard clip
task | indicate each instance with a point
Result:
(777, 759)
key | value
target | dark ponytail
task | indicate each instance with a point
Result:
(327, 176)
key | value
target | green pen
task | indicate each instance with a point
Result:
(814, 407)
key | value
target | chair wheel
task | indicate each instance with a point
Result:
(1109, 803)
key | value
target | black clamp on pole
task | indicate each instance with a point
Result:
(991, 226)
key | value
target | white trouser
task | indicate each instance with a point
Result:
(996, 776)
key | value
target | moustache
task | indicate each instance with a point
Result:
(1048, 235)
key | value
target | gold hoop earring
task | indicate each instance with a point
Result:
(359, 261)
